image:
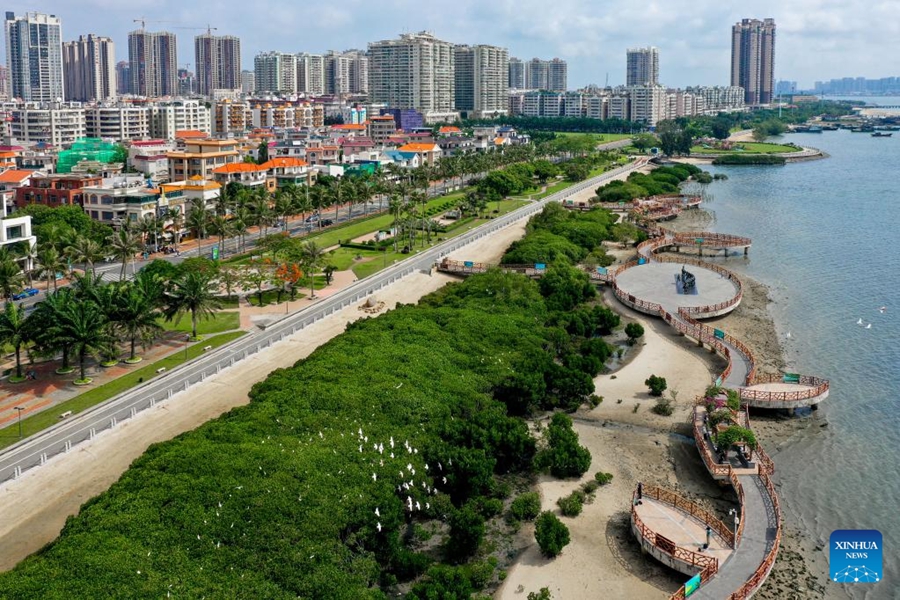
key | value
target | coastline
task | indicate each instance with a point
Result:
(628, 440)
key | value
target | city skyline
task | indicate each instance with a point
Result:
(814, 44)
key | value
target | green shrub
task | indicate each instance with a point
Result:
(564, 457)
(466, 532)
(656, 384)
(526, 507)
(602, 478)
(551, 534)
(571, 505)
(634, 331)
(590, 486)
(663, 407)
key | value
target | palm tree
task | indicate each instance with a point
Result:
(283, 207)
(192, 293)
(11, 279)
(85, 326)
(221, 227)
(149, 226)
(124, 244)
(27, 253)
(240, 222)
(198, 219)
(14, 330)
(86, 251)
(49, 263)
(49, 335)
(262, 211)
(137, 318)
(177, 218)
(311, 259)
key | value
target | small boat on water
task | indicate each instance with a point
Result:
(881, 134)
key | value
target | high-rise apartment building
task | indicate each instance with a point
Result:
(345, 72)
(4, 83)
(414, 71)
(518, 74)
(218, 62)
(481, 80)
(34, 57)
(549, 75)
(248, 82)
(89, 69)
(311, 75)
(154, 65)
(753, 59)
(275, 72)
(558, 75)
(123, 77)
(642, 66)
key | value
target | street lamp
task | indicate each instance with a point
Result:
(737, 519)
(20, 409)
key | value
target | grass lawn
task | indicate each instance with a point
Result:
(95, 396)
(344, 258)
(229, 302)
(749, 148)
(217, 323)
(601, 137)
(356, 228)
(271, 296)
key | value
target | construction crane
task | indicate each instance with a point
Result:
(209, 29)
(143, 21)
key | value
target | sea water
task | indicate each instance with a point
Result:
(826, 240)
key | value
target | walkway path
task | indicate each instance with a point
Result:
(682, 529)
(760, 531)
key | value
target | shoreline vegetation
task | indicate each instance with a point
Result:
(626, 442)
(451, 378)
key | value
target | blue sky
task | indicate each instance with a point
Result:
(817, 39)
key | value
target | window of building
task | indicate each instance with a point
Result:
(107, 215)
(14, 232)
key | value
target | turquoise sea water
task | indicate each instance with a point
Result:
(826, 240)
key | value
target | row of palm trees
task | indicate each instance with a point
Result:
(239, 208)
(96, 319)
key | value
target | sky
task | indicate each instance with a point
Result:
(816, 39)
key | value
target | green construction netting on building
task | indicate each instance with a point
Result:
(85, 149)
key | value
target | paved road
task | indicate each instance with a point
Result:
(35, 450)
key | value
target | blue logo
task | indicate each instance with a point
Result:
(855, 556)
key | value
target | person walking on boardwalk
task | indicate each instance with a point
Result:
(640, 492)
(708, 536)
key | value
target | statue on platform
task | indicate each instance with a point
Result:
(688, 281)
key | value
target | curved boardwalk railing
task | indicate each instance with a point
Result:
(686, 322)
(692, 508)
(702, 561)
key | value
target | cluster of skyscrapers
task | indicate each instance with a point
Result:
(415, 71)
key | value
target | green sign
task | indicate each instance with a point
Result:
(621, 203)
(692, 585)
(791, 378)
(215, 253)
(699, 241)
(719, 334)
(719, 381)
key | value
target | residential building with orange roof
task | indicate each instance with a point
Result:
(10, 181)
(201, 157)
(66, 189)
(247, 174)
(448, 130)
(287, 169)
(428, 153)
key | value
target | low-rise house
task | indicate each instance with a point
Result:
(428, 153)
(66, 189)
(117, 200)
(201, 157)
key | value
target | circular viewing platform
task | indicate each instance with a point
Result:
(657, 283)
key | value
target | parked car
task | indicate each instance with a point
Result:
(327, 222)
(312, 218)
(26, 293)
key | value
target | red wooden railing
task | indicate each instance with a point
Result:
(695, 510)
(666, 545)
